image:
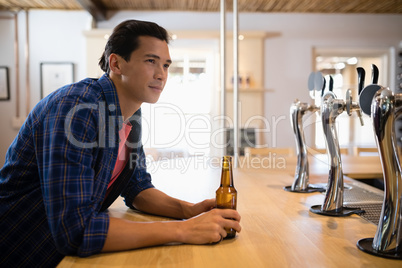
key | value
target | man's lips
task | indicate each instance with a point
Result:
(160, 88)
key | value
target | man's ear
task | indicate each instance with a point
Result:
(114, 63)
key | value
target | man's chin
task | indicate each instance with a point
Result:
(153, 101)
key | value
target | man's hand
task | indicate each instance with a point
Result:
(198, 208)
(204, 224)
(209, 227)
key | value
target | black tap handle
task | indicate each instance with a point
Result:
(361, 75)
(374, 74)
(331, 83)
(323, 87)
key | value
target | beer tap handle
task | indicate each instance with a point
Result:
(324, 82)
(361, 75)
(348, 101)
(311, 85)
(374, 74)
(331, 83)
(317, 81)
(367, 94)
(359, 114)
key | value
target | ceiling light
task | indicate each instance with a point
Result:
(340, 65)
(352, 61)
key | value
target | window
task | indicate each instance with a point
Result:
(181, 119)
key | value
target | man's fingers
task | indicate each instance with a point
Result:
(229, 214)
(230, 223)
(231, 219)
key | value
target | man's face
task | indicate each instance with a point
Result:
(144, 76)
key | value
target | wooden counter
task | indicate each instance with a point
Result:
(277, 228)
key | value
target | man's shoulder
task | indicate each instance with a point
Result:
(88, 88)
(89, 91)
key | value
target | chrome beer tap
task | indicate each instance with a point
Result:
(297, 111)
(354, 106)
(331, 108)
(385, 107)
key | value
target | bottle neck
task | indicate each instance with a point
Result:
(227, 175)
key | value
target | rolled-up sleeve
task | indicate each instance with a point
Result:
(140, 181)
(70, 140)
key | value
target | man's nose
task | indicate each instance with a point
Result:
(161, 73)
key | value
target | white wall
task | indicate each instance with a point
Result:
(53, 36)
(58, 36)
(7, 108)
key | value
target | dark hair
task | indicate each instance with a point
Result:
(124, 39)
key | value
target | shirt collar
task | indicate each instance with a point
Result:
(110, 93)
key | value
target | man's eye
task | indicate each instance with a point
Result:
(151, 60)
(167, 66)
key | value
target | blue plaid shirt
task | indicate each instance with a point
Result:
(54, 181)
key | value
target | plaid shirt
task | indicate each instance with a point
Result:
(54, 181)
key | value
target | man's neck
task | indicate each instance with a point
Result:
(127, 106)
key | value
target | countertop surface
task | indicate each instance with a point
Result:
(278, 230)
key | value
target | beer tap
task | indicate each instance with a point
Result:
(369, 91)
(385, 106)
(297, 111)
(331, 108)
(354, 106)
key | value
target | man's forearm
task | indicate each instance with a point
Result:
(156, 202)
(206, 228)
(124, 234)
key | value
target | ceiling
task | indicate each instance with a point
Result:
(99, 8)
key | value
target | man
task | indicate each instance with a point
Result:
(79, 149)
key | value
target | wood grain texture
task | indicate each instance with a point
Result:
(282, 6)
(277, 228)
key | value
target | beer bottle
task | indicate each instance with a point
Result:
(226, 195)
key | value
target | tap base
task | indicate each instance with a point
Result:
(366, 245)
(309, 189)
(343, 212)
